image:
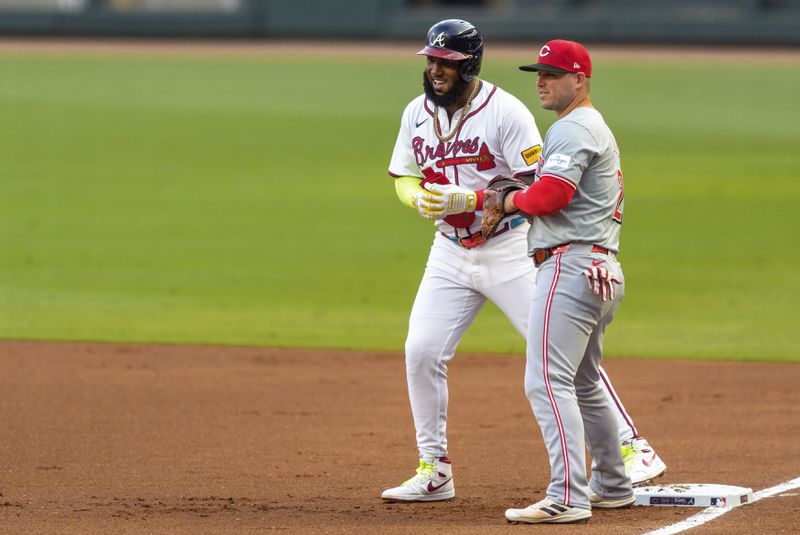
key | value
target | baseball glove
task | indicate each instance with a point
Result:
(493, 200)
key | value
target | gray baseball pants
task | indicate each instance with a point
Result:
(562, 378)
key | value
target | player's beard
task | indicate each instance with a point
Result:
(449, 98)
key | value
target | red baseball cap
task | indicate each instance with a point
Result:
(559, 55)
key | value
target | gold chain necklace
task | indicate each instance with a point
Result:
(437, 129)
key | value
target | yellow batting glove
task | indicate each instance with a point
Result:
(429, 205)
(455, 199)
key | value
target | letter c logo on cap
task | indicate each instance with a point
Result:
(545, 51)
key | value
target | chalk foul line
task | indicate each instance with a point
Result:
(710, 513)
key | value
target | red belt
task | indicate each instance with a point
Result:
(476, 240)
(540, 255)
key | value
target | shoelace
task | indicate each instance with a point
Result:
(425, 471)
(628, 453)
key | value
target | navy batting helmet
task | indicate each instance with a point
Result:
(456, 40)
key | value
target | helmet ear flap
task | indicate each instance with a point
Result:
(470, 68)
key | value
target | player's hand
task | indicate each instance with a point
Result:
(601, 282)
(429, 205)
(457, 200)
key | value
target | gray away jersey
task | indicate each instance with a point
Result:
(581, 151)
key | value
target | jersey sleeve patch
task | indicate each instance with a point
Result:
(558, 161)
(531, 155)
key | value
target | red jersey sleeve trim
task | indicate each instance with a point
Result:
(400, 176)
(566, 181)
(546, 196)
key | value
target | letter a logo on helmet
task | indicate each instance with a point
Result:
(439, 41)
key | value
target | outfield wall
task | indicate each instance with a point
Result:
(735, 22)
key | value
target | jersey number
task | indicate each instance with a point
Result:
(618, 211)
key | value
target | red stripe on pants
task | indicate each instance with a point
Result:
(618, 403)
(559, 423)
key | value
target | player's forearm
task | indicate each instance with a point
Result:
(544, 197)
(406, 187)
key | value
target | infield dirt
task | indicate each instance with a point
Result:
(102, 438)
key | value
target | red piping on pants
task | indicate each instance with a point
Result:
(559, 423)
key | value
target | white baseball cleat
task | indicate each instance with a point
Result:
(598, 502)
(642, 464)
(548, 512)
(433, 482)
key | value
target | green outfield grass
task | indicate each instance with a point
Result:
(246, 201)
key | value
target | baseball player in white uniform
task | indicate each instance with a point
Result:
(453, 140)
(578, 202)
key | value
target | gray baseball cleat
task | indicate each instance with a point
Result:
(598, 502)
(548, 512)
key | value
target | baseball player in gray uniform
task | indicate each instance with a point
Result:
(577, 202)
(454, 138)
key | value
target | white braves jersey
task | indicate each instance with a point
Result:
(497, 137)
(580, 150)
